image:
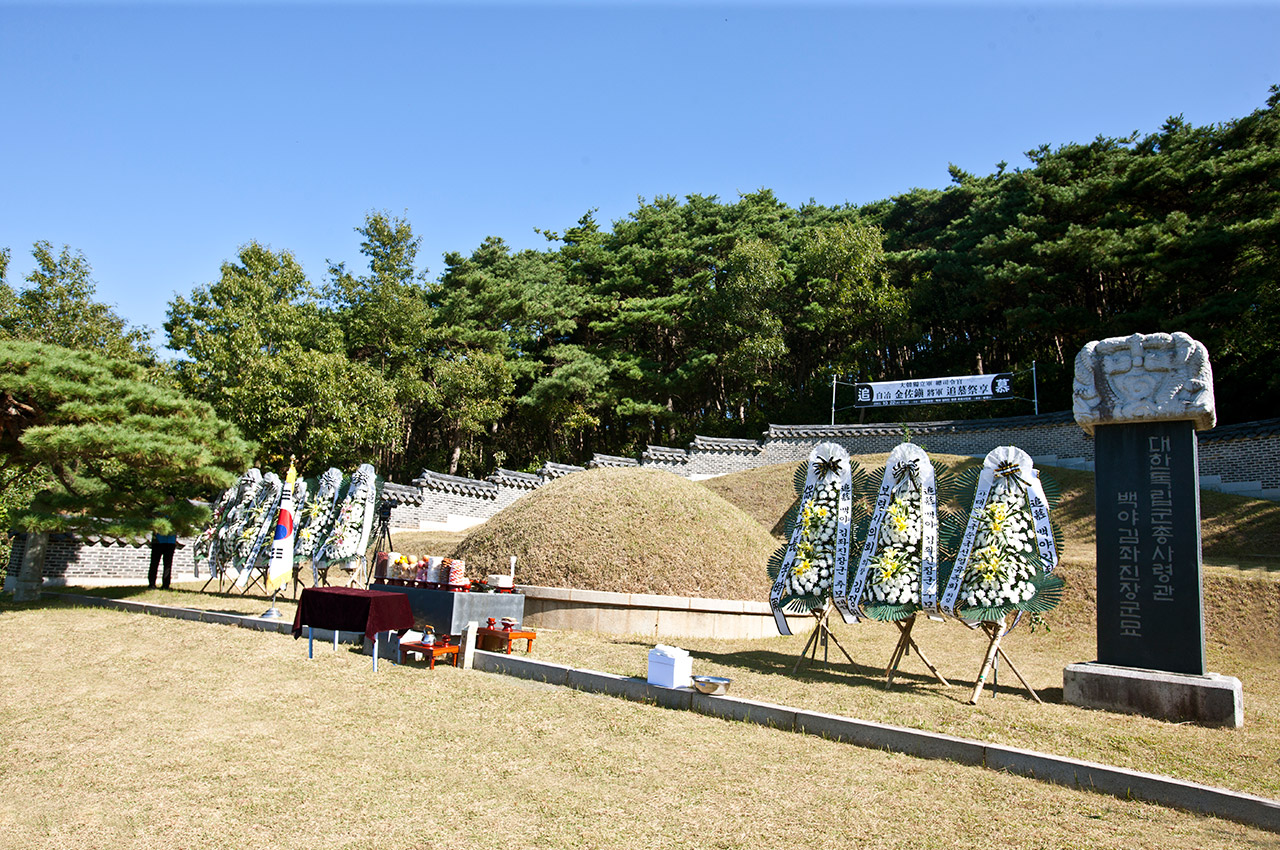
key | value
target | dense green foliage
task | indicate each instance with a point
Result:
(57, 306)
(1177, 230)
(122, 455)
(700, 316)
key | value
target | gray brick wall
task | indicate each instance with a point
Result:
(69, 561)
(1248, 460)
(437, 505)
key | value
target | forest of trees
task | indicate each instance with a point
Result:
(697, 315)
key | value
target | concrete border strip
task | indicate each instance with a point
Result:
(198, 615)
(1249, 809)
(1120, 782)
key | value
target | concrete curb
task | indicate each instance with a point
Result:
(197, 615)
(1244, 808)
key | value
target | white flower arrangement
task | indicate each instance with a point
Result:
(223, 549)
(260, 522)
(203, 547)
(350, 529)
(315, 518)
(895, 571)
(1003, 563)
(814, 562)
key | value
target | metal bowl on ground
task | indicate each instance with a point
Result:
(714, 685)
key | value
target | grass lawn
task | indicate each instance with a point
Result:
(126, 730)
(133, 731)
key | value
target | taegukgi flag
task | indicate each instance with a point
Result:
(281, 563)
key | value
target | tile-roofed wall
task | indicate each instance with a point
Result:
(725, 444)
(92, 559)
(664, 456)
(429, 480)
(555, 470)
(401, 494)
(1242, 458)
(511, 478)
(599, 460)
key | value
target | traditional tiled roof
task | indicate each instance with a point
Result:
(105, 540)
(429, 480)
(518, 480)
(1242, 431)
(725, 444)
(784, 432)
(401, 494)
(598, 460)
(665, 454)
(555, 470)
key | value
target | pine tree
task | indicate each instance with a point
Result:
(124, 457)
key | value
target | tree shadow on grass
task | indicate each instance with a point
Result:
(57, 597)
(835, 670)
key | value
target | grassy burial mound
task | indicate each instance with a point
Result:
(626, 531)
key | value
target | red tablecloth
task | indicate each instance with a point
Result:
(351, 609)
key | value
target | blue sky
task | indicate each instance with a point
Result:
(159, 137)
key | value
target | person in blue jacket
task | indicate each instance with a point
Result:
(162, 546)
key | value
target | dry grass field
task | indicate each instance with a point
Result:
(131, 731)
(134, 731)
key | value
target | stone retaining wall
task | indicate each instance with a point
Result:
(651, 615)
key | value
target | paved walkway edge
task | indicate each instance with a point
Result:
(1117, 781)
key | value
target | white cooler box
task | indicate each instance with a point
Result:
(670, 667)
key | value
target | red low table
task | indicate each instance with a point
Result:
(351, 609)
(430, 651)
(505, 636)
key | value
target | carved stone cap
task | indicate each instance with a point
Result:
(1143, 378)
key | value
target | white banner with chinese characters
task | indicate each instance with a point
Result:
(934, 390)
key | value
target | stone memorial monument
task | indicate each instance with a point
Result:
(1143, 397)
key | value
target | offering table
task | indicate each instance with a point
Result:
(351, 609)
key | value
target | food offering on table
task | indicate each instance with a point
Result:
(259, 526)
(454, 573)
(345, 544)
(1006, 553)
(816, 557)
(500, 582)
(401, 569)
(897, 573)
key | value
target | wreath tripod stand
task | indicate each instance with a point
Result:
(996, 632)
(821, 634)
(905, 644)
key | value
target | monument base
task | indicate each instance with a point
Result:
(1211, 699)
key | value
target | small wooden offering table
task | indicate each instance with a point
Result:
(430, 651)
(503, 637)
